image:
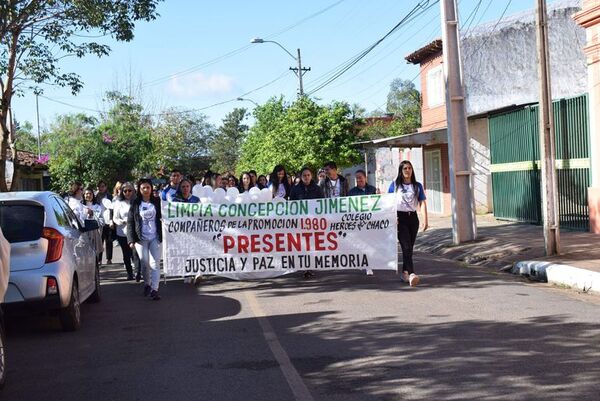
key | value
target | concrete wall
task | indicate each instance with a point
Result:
(500, 59)
(480, 164)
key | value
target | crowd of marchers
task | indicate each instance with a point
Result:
(131, 214)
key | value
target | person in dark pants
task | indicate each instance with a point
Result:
(120, 215)
(306, 189)
(410, 196)
(362, 188)
(105, 199)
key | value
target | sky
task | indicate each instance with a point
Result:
(197, 55)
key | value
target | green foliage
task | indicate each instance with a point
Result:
(298, 134)
(25, 139)
(226, 145)
(36, 35)
(405, 102)
(73, 144)
(181, 141)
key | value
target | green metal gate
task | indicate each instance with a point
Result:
(515, 167)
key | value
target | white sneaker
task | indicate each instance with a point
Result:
(414, 280)
(369, 272)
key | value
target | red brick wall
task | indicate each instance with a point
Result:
(431, 118)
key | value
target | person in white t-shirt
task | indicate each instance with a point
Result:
(121, 206)
(144, 233)
(278, 183)
(410, 196)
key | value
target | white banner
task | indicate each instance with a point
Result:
(257, 237)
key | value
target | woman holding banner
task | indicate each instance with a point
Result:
(410, 195)
(245, 182)
(184, 194)
(279, 183)
(145, 235)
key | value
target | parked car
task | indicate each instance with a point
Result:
(4, 272)
(53, 266)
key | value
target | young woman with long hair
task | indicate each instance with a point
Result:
(410, 196)
(279, 183)
(121, 206)
(245, 182)
(145, 235)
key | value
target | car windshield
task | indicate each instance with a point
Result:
(21, 222)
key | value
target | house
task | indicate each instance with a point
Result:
(31, 175)
(589, 18)
(500, 77)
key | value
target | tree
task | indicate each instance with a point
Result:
(298, 134)
(25, 138)
(35, 35)
(181, 140)
(405, 102)
(225, 147)
(73, 143)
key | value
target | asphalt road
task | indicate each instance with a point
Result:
(463, 334)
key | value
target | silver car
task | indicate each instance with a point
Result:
(4, 272)
(53, 265)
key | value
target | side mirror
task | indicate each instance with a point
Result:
(90, 225)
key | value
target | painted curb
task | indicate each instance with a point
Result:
(574, 277)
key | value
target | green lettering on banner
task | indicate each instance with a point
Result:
(270, 208)
(223, 210)
(375, 207)
(353, 203)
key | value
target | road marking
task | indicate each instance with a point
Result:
(290, 373)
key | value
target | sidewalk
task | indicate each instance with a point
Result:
(519, 247)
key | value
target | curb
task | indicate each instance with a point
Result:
(574, 277)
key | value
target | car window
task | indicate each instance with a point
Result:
(73, 221)
(61, 217)
(21, 221)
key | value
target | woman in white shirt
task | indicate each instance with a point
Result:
(91, 208)
(145, 235)
(410, 196)
(120, 212)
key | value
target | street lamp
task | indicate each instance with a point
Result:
(243, 99)
(299, 71)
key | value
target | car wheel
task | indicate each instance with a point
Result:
(70, 317)
(95, 297)
(2, 355)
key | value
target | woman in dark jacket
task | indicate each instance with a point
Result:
(307, 188)
(144, 233)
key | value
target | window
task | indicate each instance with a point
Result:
(435, 87)
(73, 220)
(61, 218)
(21, 221)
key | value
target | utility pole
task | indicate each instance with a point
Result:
(37, 112)
(547, 147)
(464, 227)
(300, 73)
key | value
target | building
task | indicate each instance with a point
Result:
(500, 76)
(31, 174)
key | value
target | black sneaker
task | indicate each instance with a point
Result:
(138, 277)
(154, 295)
(147, 290)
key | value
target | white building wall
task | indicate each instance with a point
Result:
(480, 164)
(500, 59)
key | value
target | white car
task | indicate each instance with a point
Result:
(53, 265)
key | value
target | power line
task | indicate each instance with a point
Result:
(286, 72)
(336, 73)
(239, 50)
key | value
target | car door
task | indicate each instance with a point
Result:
(82, 249)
